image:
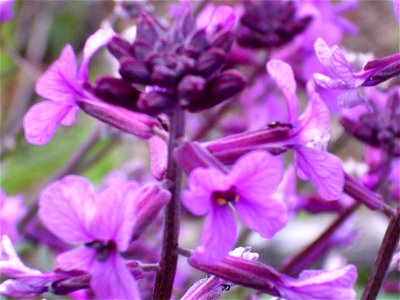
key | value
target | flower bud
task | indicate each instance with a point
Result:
(134, 71)
(150, 200)
(220, 88)
(210, 61)
(118, 47)
(155, 102)
(116, 91)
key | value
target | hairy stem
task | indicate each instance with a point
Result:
(169, 255)
(389, 244)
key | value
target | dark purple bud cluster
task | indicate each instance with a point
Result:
(181, 65)
(380, 128)
(270, 23)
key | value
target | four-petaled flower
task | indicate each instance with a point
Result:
(246, 187)
(103, 222)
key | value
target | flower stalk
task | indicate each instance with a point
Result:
(169, 255)
(389, 244)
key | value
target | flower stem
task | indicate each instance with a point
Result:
(314, 250)
(169, 254)
(389, 244)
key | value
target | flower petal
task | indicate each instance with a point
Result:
(59, 83)
(97, 40)
(43, 119)
(218, 236)
(65, 208)
(70, 118)
(223, 17)
(351, 98)
(115, 214)
(323, 169)
(329, 83)
(282, 73)
(256, 175)
(333, 58)
(266, 217)
(202, 184)
(323, 285)
(314, 121)
(81, 258)
(112, 280)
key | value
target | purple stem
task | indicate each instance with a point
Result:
(169, 255)
(364, 195)
(389, 244)
(310, 253)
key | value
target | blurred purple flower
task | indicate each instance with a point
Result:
(12, 210)
(29, 282)
(6, 10)
(105, 223)
(66, 88)
(336, 63)
(247, 188)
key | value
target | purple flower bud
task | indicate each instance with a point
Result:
(191, 89)
(223, 40)
(116, 91)
(148, 29)
(222, 87)
(150, 200)
(158, 149)
(163, 76)
(155, 102)
(118, 47)
(386, 73)
(134, 70)
(199, 40)
(140, 49)
(270, 23)
(210, 61)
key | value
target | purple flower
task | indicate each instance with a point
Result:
(29, 282)
(344, 78)
(246, 187)
(323, 285)
(309, 135)
(6, 10)
(104, 223)
(66, 88)
(12, 210)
